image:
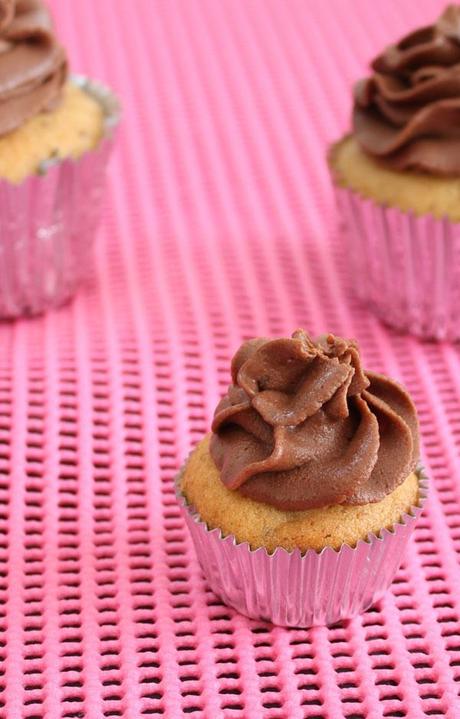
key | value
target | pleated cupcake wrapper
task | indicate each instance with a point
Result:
(405, 268)
(48, 222)
(301, 590)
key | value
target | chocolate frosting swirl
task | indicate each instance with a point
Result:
(407, 114)
(33, 66)
(303, 426)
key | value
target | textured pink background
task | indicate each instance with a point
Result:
(219, 225)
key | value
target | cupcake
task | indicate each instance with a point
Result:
(301, 500)
(397, 180)
(55, 139)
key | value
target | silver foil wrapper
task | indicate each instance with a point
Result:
(405, 268)
(292, 589)
(48, 222)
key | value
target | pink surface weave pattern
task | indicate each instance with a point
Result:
(219, 225)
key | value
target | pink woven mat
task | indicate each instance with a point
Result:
(219, 225)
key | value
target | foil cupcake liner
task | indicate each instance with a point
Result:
(48, 222)
(292, 589)
(405, 268)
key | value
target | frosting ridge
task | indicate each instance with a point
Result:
(303, 426)
(407, 113)
(33, 66)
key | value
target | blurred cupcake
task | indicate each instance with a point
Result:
(55, 140)
(302, 499)
(397, 177)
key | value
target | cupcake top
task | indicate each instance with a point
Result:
(33, 66)
(303, 426)
(407, 113)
